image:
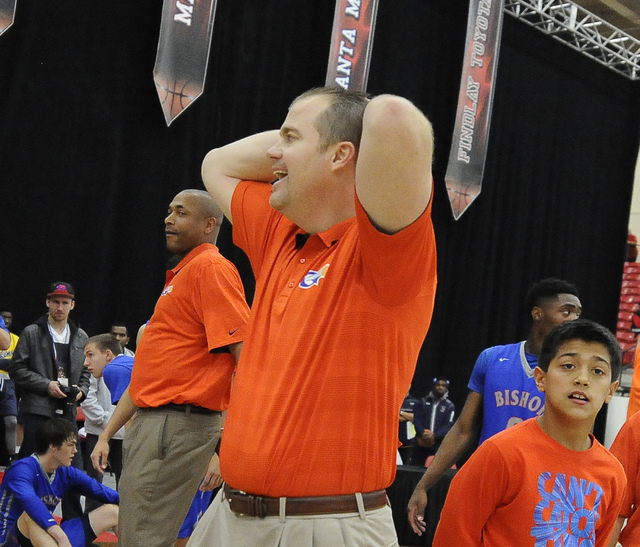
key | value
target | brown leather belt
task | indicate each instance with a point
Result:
(186, 408)
(258, 506)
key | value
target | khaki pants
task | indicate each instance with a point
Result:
(166, 454)
(223, 528)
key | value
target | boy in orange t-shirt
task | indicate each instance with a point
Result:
(546, 479)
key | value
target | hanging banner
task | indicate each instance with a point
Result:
(351, 41)
(473, 119)
(7, 11)
(183, 53)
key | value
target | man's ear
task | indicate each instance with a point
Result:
(536, 313)
(109, 355)
(612, 389)
(210, 225)
(73, 304)
(343, 153)
(540, 376)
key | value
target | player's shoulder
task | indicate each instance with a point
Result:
(120, 361)
(598, 449)
(31, 330)
(505, 348)
(633, 422)
(526, 429)
(209, 258)
(448, 403)
(502, 352)
(21, 467)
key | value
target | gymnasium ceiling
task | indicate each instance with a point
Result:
(623, 14)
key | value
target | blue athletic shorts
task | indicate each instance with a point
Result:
(78, 531)
(8, 401)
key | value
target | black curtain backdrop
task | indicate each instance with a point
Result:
(88, 165)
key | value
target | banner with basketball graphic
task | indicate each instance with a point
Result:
(351, 42)
(7, 11)
(471, 132)
(183, 53)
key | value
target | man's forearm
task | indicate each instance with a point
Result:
(453, 446)
(5, 339)
(245, 159)
(124, 411)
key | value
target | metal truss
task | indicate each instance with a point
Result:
(581, 30)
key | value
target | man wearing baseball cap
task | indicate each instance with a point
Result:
(48, 367)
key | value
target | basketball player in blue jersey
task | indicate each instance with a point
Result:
(32, 488)
(502, 390)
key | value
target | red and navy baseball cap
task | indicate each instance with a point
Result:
(60, 288)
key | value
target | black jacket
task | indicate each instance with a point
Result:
(33, 367)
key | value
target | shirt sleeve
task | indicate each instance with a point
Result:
(117, 378)
(625, 448)
(223, 306)
(474, 494)
(3, 325)
(389, 275)
(253, 218)
(476, 382)
(85, 485)
(91, 407)
(20, 482)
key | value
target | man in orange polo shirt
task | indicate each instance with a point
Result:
(181, 379)
(343, 250)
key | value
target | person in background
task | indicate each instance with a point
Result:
(626, 447)
(120, 331)
(7, 317)
(8, 398)
(434, 417)
(47, 367)
(110, 372)
(547, 480)
(502, 388)
(32, 488)
(407, 429)
(5, 335)
(338, 318)
(181, 379)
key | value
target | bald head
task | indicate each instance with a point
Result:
(204, 203)
(193, 219)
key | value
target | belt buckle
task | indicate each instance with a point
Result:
(256, 505)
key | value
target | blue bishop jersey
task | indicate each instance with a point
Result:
(503, 375)
(27, 487)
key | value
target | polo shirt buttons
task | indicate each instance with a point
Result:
(303, 260)
(291, 284)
